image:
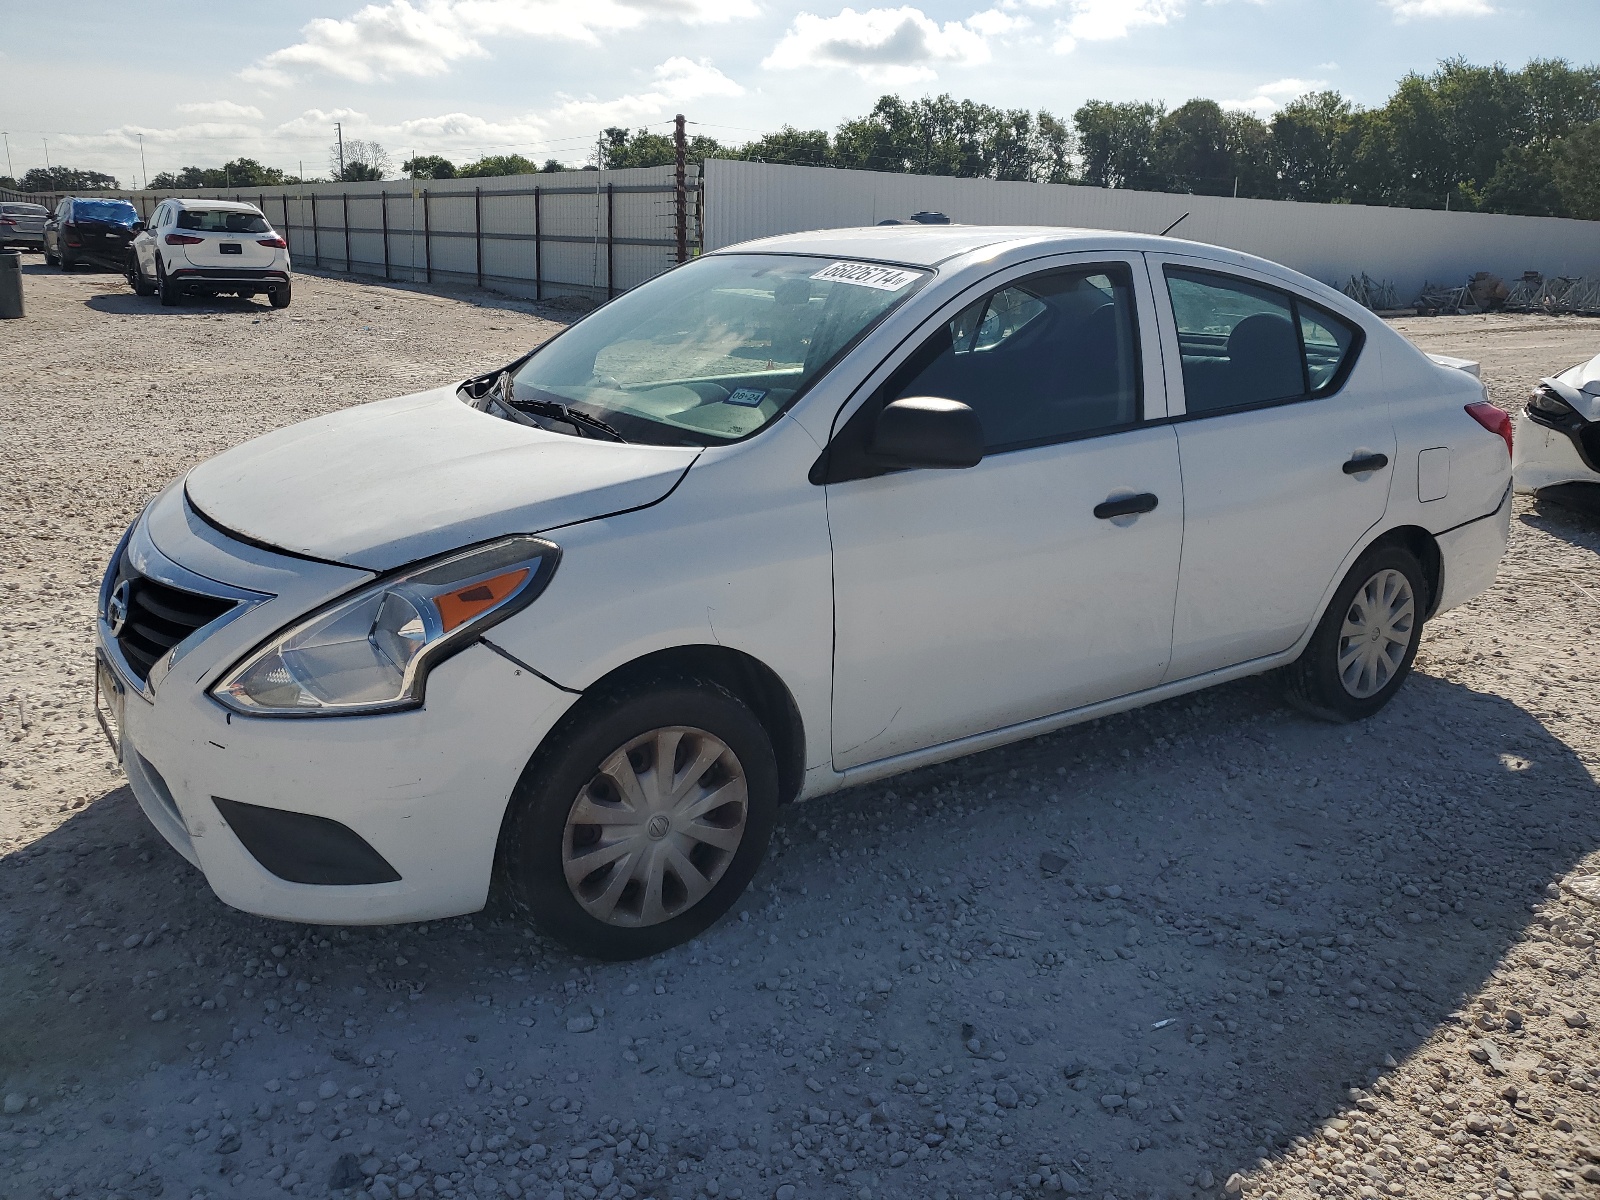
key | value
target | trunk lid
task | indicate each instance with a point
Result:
(228, 249)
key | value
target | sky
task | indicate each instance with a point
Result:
(200, 82)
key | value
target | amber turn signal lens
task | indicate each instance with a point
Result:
(456, 608)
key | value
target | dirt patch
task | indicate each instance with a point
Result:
(1204, 947)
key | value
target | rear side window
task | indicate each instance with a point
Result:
(221, 220)
(1049, 357)
(1244, 345)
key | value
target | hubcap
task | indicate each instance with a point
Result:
(656, 827)
(1377, 632)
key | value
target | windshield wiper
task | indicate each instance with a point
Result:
(552, 408)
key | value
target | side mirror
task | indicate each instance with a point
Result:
(138, 226)
(927, 431)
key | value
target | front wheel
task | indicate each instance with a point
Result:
(1365, 643)
(643, 820)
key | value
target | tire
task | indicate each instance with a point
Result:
(164, 285)
(280, 295)
(643, 901)
(64, 262)
(1373, 625)
(136, 280)
(51, 260)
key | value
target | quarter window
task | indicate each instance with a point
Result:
(1245, 345)
(1049, 357)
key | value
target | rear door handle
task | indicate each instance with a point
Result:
(1125, 506)
(1366, 462)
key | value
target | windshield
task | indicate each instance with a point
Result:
(715, 350)
(117, 212)
(222, 220)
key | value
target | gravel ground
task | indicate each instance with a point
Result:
(1208, 948)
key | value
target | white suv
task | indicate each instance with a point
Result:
(208, 247)
(800, 514)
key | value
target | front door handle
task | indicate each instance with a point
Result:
(1366, 462)
(1125, 506)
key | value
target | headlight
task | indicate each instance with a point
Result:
(1544, 402)
(372, 650)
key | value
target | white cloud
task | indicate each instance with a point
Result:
(1406, 9)
(222, 110)
(886, 45)
(428, 37)
(675, 81)
(1270, 97)
(992, 23)
(1107, 20)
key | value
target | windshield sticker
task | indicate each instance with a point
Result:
(748, 397)
(884, 279)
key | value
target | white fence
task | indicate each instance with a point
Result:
(1330, 242)
(588, 233)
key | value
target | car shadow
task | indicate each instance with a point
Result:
(126, 303)
(1178, 936)
(1566, 506)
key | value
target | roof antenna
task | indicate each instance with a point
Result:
(1173, 226)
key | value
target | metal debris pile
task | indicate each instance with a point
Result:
(1557, 295)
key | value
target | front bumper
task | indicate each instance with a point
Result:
(425, 789)
(1545, 457)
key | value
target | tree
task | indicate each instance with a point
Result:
(646, 149)
(428, 166)
(9, 184)
(1191, 149)
(796, 147)
(1116, 142)
(1576, 167)
(497, 164)
(552, 165)
(67, 179)
(240, 172)
(363, 161)
(1312, 136)
(1524, 184)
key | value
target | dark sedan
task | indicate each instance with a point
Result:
(90, 230)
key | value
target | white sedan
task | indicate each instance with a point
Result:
(1558, 432)
(801, 514)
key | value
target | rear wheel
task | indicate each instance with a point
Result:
(167, 288)
(136, 280)
(643, 820)
(280, 295)
(1365, 643)
(66, 261)
(50, 260)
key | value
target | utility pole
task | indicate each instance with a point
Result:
(47, 167)
(11, 171)
(680, 187)
(143, 170)
(338, 130)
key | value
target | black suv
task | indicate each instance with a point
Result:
(90, 229)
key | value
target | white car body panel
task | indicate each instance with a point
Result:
(155, 255)
(394, 481)
(911, 618)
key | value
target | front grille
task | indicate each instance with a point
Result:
(159, 617)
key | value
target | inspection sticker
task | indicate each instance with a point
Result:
(748, 397)
(885, 279)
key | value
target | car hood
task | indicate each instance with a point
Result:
(1584, 380)
(385, 484)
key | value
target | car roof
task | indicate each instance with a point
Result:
(198, 205)
(8, 206)
(930, 245)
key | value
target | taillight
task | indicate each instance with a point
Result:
(277, 243)
(1493, 419)
(6, 221)
(182, 239)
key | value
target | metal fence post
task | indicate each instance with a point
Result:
(427, 239)
(316, 239)
(477, 229)
(349, 267)
(611, 286)
(538, 243)
(383, 199)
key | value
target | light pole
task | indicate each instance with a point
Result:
(338, 129)
(143, 170)
(9, 169)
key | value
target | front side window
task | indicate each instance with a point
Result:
(222, 220)
(713, 351)
(1245, 345)
(1049, 357)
